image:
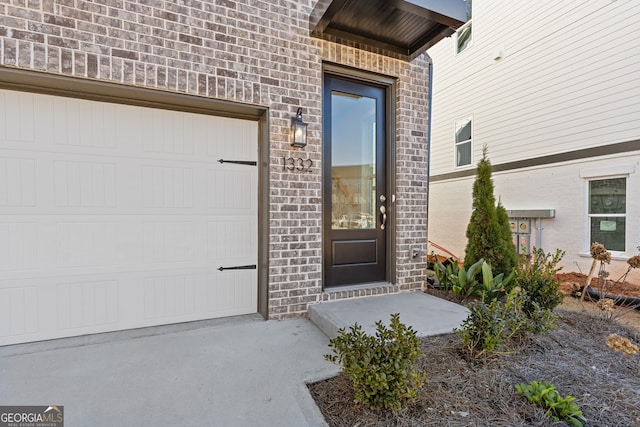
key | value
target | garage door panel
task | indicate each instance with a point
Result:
(17, 118)
(227, 240)
(19, 186)
(48, 308)
(86, 244)
(169, 242)
(229, 139)
(229, 190)
(49, 246)
(17, 315)
(18, 244)
(83, 183)
(167, 187)
(80, 180)
(167, 133)
(128, 134)
(169, 297)
(118, 217)
(229, 292)
(87, 304)
(81, 123)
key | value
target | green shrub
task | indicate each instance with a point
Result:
(546, 396)
(539, 320)
(531, 294)
(381, 367)
(537, 277)
(490, 325)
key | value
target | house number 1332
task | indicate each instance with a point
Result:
(296, 163)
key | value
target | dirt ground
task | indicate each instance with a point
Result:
(629, 287)
(627, 316)
(461, 391)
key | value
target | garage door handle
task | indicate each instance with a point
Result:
(239, 162)
(238, 267)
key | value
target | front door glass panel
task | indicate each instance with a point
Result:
(353, 161)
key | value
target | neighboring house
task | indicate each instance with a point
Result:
(147, 174)
(552, 89)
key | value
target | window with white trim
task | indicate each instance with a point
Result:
(463, 141)
(464, 37)
(608, 212)
(464, 34)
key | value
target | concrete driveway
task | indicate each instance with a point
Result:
(239, 372)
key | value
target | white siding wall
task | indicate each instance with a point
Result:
(567, 80)
(558, 187)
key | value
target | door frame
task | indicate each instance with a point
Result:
(389, 85)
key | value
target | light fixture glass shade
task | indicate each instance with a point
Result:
(298, 132)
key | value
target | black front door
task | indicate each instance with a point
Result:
(354, 183)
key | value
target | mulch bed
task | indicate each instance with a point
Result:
(465, 392)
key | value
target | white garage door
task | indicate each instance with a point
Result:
(116, 217)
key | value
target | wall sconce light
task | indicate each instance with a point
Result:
(298, 130)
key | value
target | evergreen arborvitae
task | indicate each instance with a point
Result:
(485, 234)
(507, 248)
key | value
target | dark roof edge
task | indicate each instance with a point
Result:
(585, 153)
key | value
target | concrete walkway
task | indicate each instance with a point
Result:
(234, 372)
(427, 314)
(243, 372)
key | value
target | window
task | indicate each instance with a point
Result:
(463, 142)
(607, 212)
(464, 36)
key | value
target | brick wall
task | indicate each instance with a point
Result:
(249, 51)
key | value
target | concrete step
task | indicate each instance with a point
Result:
(428, 315)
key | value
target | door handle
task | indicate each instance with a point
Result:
(383, 213)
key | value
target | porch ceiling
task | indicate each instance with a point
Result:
(405, 27)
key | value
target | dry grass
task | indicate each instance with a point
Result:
(465, 392)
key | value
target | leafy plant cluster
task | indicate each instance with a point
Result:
(537, 277)
(464, 282)
(382, 368)
(512, 307)
(522, 294)
(444, 273)
(546, 395)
